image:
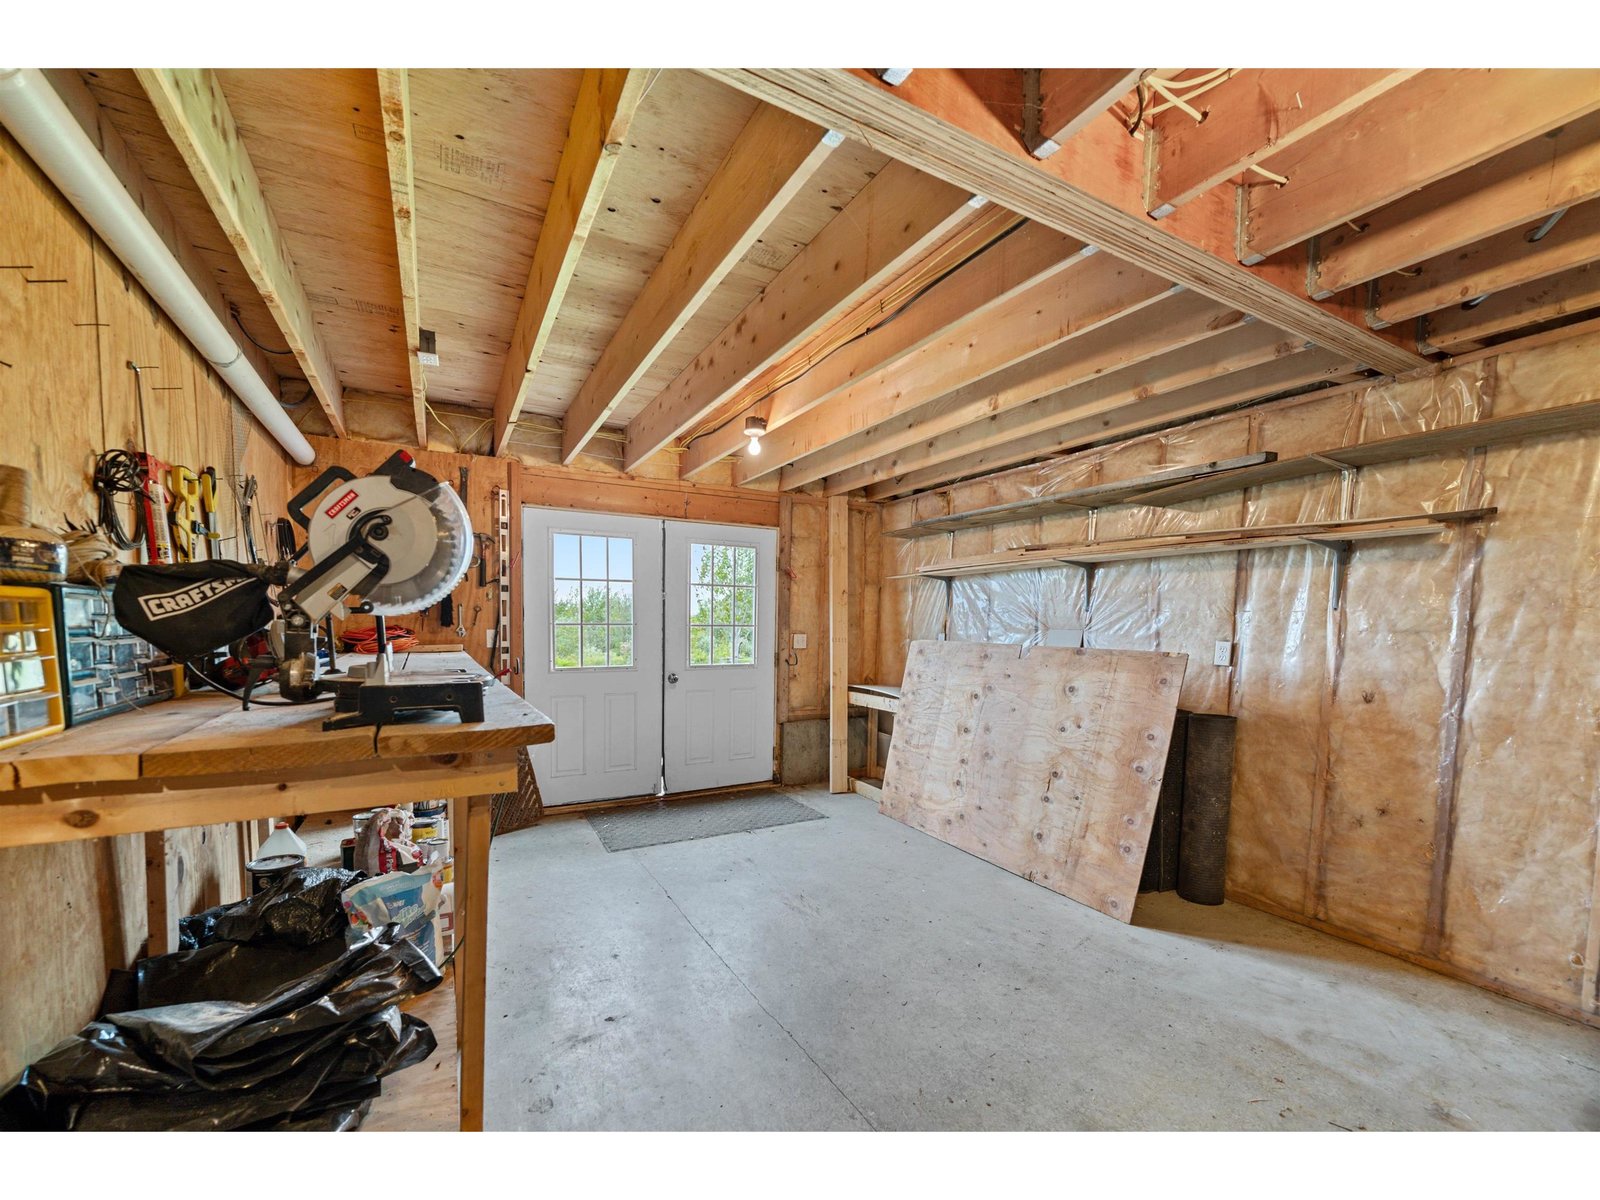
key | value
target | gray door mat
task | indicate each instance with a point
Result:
(685, 821)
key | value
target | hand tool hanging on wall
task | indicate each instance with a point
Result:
(210, 533)
(154, 498)
(247, 517)
(484, 541)
(185, 511)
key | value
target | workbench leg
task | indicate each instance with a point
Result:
(872, 745)
(472, 959)
(161, 915)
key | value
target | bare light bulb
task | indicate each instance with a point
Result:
(754, 427)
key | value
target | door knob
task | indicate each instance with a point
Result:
(673, 677)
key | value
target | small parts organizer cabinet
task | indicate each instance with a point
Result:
(30, 690)
(107, 668)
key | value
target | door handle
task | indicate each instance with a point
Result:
(673, 677)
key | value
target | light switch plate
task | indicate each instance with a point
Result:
(799, 641)
(1223, 655)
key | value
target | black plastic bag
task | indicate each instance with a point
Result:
(301, 909)
(312, 1045)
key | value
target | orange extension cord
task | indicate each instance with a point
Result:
(365, 640)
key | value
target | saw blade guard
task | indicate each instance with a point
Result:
(446, 565)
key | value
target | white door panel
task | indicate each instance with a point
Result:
(721, 664)
(593, 651)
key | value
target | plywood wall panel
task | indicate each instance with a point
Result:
(68, 396)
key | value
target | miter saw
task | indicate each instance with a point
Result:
(396, 541)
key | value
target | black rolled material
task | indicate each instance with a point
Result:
(1161, 857)
(1207, 798)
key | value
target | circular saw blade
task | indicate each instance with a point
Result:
(446, 565)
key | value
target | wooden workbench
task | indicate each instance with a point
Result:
(875, 698)
(202, 760)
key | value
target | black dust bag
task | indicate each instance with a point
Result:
(191, 609)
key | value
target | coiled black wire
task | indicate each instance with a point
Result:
(116, 473)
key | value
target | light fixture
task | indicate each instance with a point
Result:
(754, 427)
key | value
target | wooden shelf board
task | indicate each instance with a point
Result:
(1569, 418)
(1100, 495)
(1210, 541)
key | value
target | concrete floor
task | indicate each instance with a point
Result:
(853, 973)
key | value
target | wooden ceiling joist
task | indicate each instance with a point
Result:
(1025, 257)
(1095, 290)
(1462, 328)
(1060, 101)
(394, 92)
(937, 122)
(1251, 116)
(1433, 125)
(1128, 416)
(1169, 325)
(775, 155)
(196, 116)
(1517, 188)
(1497, 264)
(892, 221)
(607, 101)
(1238, 350)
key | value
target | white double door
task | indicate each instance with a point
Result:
(650, 644)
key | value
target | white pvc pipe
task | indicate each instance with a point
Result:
(47, 130)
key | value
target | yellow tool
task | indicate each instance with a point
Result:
(208, 510)
(185, 487)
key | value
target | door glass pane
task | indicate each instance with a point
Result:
(622, 645)
(722, 616)
(566, 645)
(566, 600)
(591, 609)
(566, 555)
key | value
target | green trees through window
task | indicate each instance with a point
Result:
(722, 605)
(591, 611)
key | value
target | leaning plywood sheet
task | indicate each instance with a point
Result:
(1047, 765)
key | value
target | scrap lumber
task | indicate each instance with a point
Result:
(1047, 766)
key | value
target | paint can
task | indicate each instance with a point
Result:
(347, 853)
(433, 850)
(264, 872)
(425, 830)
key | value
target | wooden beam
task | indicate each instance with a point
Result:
(1026, 256)
(1095, 290)
(892, 221)
(773, 158)
(196, 116)
(394, 95)
(1253, 115)
(1169, 325)
(1462, 328)
(1517, 188)
(1497, 264)
(1092, 190)
(1284, 375)
(1068, 99)
(607, 101)
(1239, 349)
(86, 110)
(1431, 126)
(838, 645)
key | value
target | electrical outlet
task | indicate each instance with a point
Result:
(1223, 655)
(799, 641)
